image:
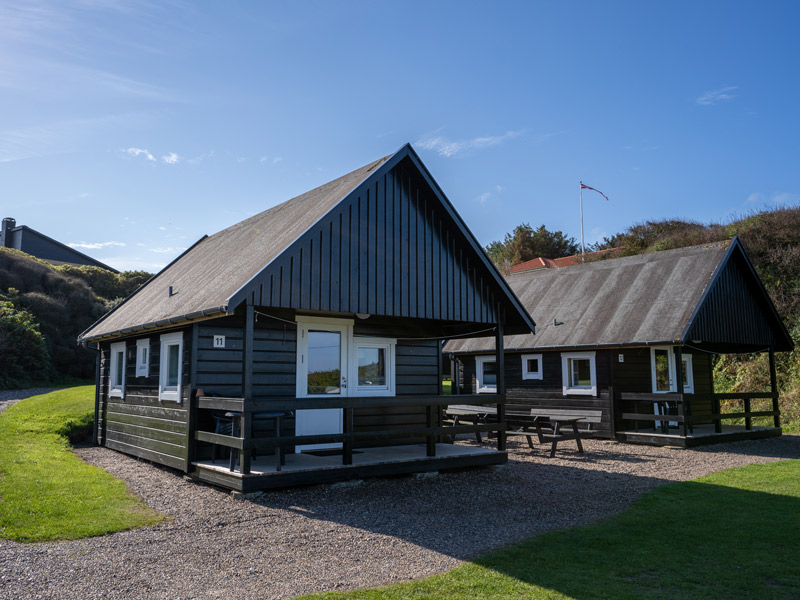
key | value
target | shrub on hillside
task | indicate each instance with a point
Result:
(22, 346)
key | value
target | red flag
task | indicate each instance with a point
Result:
(586, 187)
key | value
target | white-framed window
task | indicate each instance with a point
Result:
(532, 366)
(372, 366)
(116, 378)
(171, 370)
(331, 360)
(142, 357)
(662, 366)
(486, 374)
(579, 373)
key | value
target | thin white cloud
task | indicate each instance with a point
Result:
(171, 158)
(717, 96)
(276, 160)
(94, 245)
(166, 250)
(448, 148)
(162, 228)
(781, 198)
(484, 198)
(140, 151)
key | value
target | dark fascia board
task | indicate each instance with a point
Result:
(736, 246)
(96, 262)
(407, 151)
(471, 240)
(84, 340)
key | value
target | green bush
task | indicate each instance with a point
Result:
(22, 347)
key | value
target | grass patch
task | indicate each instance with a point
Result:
(46, 491)
(730, 535)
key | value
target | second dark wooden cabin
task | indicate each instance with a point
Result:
(635, 338)
(305, 341)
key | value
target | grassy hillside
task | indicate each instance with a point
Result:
(43, 309)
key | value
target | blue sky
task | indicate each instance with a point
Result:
(130, 129)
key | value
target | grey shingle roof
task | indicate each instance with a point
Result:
(643, 299)
(206, 276)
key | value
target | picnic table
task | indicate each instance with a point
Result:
(549, 425)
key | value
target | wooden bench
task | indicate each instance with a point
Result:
(548, 425)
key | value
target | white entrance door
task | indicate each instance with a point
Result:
(322, 353)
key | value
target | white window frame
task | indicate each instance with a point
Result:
(526, 374)
(673, 381)
(117, 391)
(143, 357)
(590, 390)
(688, 369)
(388, 345)
(165, 393)
(479, 385)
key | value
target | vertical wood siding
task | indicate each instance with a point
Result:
(388, 250)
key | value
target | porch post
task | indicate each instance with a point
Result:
(773, 384)
(246, 427)
(500, 366)
(679, 389)
(347, 428)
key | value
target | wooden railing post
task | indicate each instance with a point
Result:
(347, 428)
(773, 384)
(748, 420)
(246, 432)
(500, 366)
(431, 437)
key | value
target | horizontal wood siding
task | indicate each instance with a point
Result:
(525, 394)
(416, 373)
(140, 424)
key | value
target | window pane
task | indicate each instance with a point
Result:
(580, 373)
(371, 366)
(173, 352)
(661, 358)
(119, 357)
(533, 365)
(324, 362)
(144, 356)
(685, 373)
(489, 373)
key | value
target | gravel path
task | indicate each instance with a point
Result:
(336, 537)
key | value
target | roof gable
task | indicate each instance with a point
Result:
(382, 240)
(667, 297)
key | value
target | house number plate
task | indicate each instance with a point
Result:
(219, 341)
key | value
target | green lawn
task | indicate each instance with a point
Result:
(730, 535)
(46, 491)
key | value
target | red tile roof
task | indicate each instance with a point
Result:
(555, 263)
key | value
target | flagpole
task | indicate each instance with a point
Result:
(580, 192)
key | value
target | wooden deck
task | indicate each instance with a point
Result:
(304, 468)
(702, 435)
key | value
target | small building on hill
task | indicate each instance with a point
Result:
(306, 339)
(633, 339)
(30, 241)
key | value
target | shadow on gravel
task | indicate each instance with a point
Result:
(465, 513)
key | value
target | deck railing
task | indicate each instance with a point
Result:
(677, 408)
(433, 431)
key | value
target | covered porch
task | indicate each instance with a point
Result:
(269, 459)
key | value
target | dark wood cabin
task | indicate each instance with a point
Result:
(307, 339)
(635, 338)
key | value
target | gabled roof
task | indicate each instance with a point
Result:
(709, 295)
(278, 258)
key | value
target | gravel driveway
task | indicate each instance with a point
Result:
(337, 537)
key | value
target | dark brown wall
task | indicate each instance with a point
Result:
(140, 424)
